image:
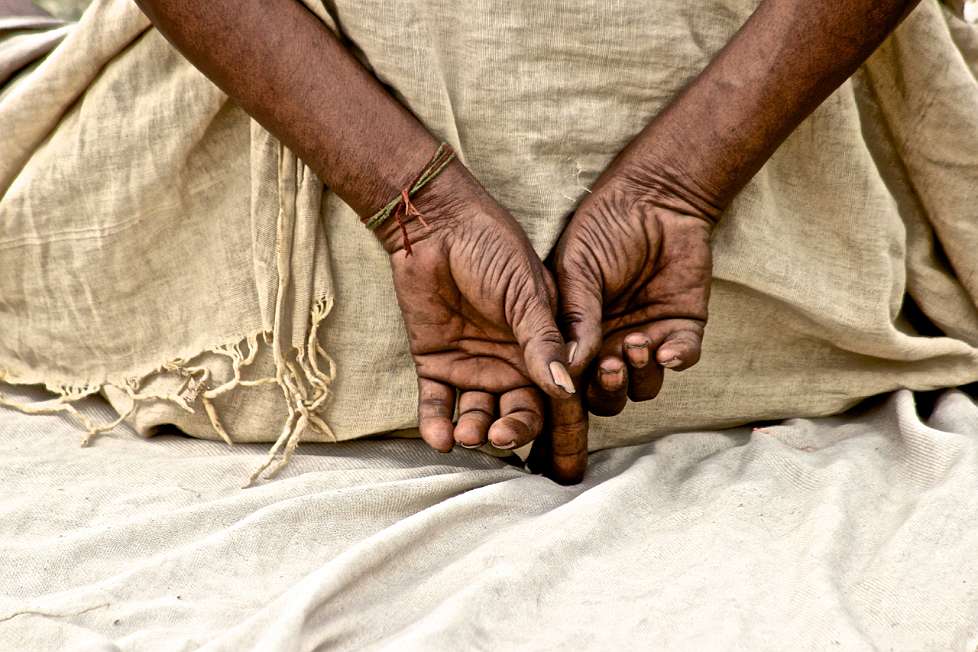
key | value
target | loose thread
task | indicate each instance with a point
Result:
(303, 393)
(401, 207)
(289, 377)
(404, 232)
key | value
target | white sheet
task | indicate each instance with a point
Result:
(849, 533)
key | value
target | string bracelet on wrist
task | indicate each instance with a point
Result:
(401, 207)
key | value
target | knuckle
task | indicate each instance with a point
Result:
(477, 413)
(550, 337)
(433, 407)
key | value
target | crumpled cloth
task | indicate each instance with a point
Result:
(840, 533)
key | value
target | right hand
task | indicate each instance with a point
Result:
(479, 307)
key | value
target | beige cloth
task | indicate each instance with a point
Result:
(147, 228)
(854, 533)
(25, 39)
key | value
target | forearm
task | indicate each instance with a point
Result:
(785, 60)
(291, 73)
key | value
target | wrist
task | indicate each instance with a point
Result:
(661, 179)
(437, 205)
(383, 170)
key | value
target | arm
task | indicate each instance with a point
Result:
(633, 266)
(292, 74)
(475, 299)
(785, 61)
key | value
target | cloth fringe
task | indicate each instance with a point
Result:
(304, 372)
(303, 380)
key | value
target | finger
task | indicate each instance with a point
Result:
(544, 351)
(644, 374)
(681, 348)
(561, 453)
(521, 418)
(580, 315)
(436, 406)
(476, 411)
(607, 392)
(644, 383)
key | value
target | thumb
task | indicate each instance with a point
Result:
(580, 314)
(544, 351)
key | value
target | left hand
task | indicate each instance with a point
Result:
(633, 271)
(633, 276)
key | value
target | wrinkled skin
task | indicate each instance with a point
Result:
(633, 278)
(633, 266)
(633, 275)
(478, 306)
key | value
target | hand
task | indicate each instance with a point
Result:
(633, 273)
(478, 306)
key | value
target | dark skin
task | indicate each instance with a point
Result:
(477, 302)
(632, 268)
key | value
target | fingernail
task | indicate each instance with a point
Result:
(612, 379)
(470, 446)
(505, 446)
(571, 352)
(671, 358)
(560, 376)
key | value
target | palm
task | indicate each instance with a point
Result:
(478, 309)
(457, 337)
(635, 282)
